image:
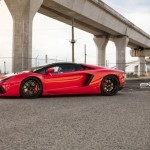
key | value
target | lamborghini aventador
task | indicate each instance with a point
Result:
(62, 79)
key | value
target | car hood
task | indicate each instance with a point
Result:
(7, 75)
(11, 75)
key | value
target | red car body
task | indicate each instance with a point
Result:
(86, 79)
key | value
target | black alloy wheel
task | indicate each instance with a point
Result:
(31, 88)
(109, 85)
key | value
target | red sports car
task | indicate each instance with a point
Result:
(62, 79)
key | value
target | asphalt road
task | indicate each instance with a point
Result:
(120, 122)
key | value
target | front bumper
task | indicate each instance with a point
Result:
(2, 90)
(9, 89)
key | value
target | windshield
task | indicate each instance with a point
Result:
(34, 69)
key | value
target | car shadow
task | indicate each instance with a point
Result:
(59, 96)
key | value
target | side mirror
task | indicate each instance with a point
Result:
(50, 70)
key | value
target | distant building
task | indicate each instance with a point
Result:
(148, 65)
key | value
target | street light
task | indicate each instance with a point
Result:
(46, 58)
(73, 40)
(85, 54)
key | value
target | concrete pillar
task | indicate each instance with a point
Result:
(148, 68)
(101, 43)
(22, 12)
(142, 67)
(136, 69)
(121, 44)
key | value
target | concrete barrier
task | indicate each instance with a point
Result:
(138, 83)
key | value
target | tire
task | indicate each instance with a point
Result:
(109, 85)
(31, 88)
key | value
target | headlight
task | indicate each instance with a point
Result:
(5, 79)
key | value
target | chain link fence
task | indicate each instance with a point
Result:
(132, 70)
(6, 63)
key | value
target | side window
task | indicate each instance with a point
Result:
(67, 68)
(64, 68)
(42, 72)
(71, 68)
(57, 69)
(86, 68)
(79, 67)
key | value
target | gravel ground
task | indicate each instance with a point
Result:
(120, 122)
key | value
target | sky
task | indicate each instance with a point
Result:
(136, 11)
(130, 6)
(52, 38)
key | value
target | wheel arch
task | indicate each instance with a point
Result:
(112, 75)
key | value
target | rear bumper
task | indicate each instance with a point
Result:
(121, 88)
(121, 85)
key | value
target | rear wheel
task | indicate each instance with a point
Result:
(31, 88)
(109, 85)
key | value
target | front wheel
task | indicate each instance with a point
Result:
(109, 85)
(31, 88)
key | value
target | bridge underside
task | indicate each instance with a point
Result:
(99, 23)
(91, 16)
(79, 21)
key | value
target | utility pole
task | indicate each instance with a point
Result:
(85, 54)
(4, 67)
(107, 64)
(36, 60)
(46, 58)
(73, 40)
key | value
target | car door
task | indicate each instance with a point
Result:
(65, 79)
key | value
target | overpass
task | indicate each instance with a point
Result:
(93, 16)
